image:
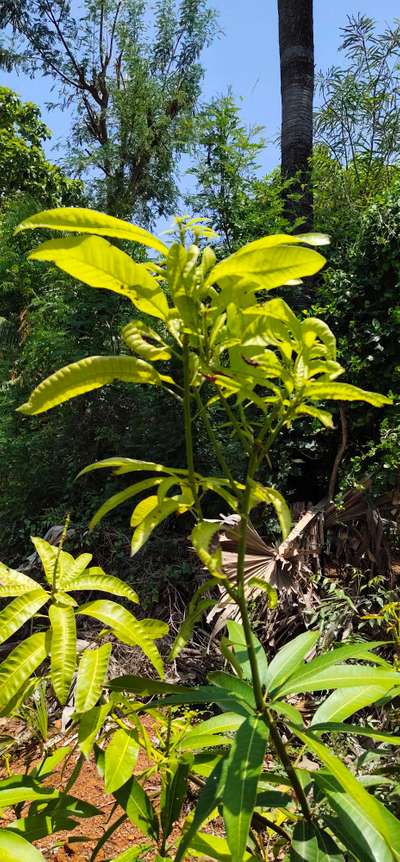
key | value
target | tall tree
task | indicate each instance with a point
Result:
(131, 73)
(296, 45)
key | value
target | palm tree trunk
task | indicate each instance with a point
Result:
(296, 45)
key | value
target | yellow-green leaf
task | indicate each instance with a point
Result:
(63, 650)
(86, 375)
(19, 611)
(81, 220)
(260, 494)
(92, 673)
(155, 515)
(99, 264)
(14, 848)
(120, 759)
(20, 664)
(95, 579)
(121, 497)
(344, 392)
(126, 627)
(323, 416)
(140, 339)
(14, 583)
(268, 267)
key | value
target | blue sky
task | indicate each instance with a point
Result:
(244, 57)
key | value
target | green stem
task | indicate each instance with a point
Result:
(60, 547)
(215, 442)
(257, 455)
(188, 425)
(232, 418)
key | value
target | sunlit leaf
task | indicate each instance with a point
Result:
(99, 264)
(20, 664)
(20, 610)
(63, 650)
(81, 220)
(86, 375)
(92, 673)
(120, 758)
(245, 763)
(13, 848)
(127, 628)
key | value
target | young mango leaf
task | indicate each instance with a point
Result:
(13, 848)
(120, 759)
(92, 673)
(96, 580)
(344, 702)
(20, 664)
(121, 497)
(226, 722)
(259, 494)
(63, 650)
(120, 466)
(209, 798)
(144, 341)
(311, 844)
(387, 825)
(20, 610)
(337, 676)
(90, 724)
(289, 657)
(81, 220)
(71, 806)
(343, 392)
(14, 583)
(267, 267)
(99, 264)
(202, 535)
(127, 628)
(58, 563)
(135, 802)
(196, 608)
(86, 375)
(244, 767)
(156, 515)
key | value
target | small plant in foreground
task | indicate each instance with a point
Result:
(264, 367)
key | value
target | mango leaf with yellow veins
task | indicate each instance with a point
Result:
(127, 628)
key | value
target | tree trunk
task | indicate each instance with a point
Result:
(296, 46)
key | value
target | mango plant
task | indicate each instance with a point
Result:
(248, 362)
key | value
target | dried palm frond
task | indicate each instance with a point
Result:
(275, 565)
(352, 534)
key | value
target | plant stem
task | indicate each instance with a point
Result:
(188, 425)
(259, 452)
(60, 547)
(215, 442)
